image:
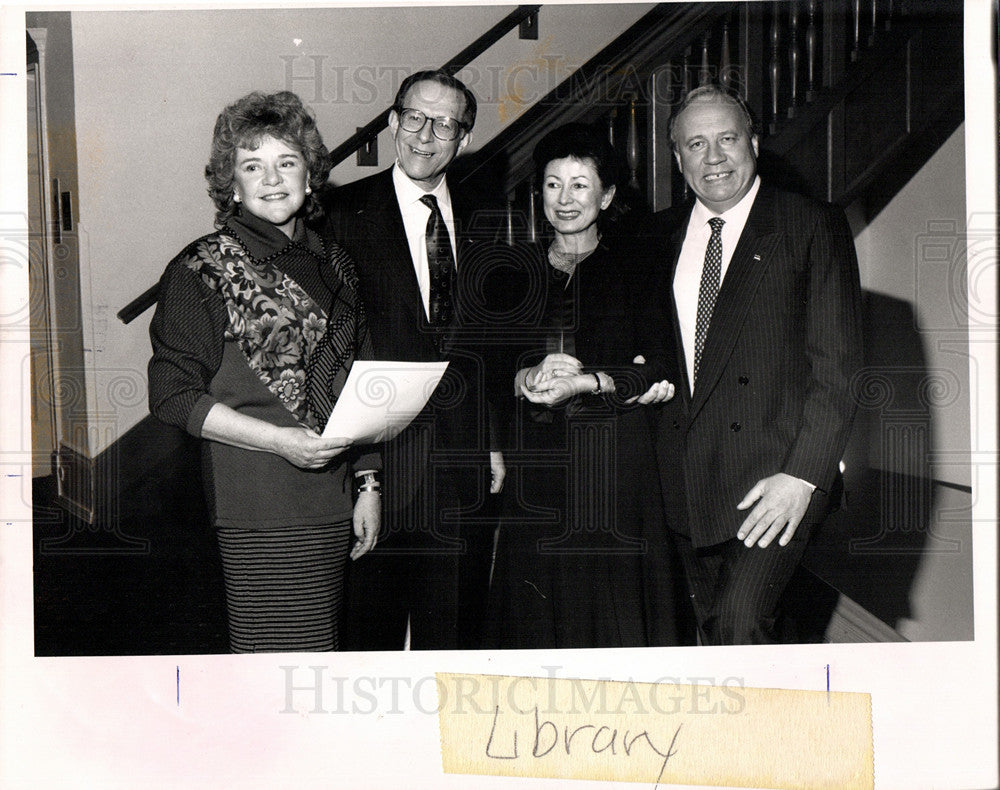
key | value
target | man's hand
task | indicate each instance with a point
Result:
(781, 503)
(497, 472)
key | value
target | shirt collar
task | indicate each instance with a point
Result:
(735, 216)
(408, 193)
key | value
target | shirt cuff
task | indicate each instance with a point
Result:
(811, 486)
(369, 460)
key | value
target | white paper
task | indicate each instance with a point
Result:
(380, 398)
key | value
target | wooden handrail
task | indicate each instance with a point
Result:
(583, 96)
(453, 66)
(148, 298)
(140, 304)
(800, 87)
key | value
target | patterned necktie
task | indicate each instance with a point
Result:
(709, 289)
(441, 264)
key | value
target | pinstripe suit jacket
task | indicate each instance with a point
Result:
(774, 388)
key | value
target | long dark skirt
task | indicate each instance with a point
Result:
(581, 538)
(284, 587)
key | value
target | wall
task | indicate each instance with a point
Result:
(903, 548)
(913, 254)
(149, 84)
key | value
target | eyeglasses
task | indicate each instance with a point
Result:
(444, 128)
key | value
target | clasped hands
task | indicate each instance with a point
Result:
(559, 377)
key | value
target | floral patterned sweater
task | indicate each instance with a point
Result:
(202, 356)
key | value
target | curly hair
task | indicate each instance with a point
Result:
(243, 124)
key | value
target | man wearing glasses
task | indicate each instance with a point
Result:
(405, 231)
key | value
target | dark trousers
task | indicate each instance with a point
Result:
(736, 591)
(430, 568)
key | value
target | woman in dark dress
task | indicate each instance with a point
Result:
(256, 328)
(582, 512)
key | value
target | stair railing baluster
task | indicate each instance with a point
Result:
(532, 209)
(856, 20)
(686, 71)
(725, 62)
(509, 235)
(794, 57)
(663, 82)
(775, 66)
(632, 143)
(811, 41)
(705, 71)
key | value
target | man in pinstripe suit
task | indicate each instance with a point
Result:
(765, 312)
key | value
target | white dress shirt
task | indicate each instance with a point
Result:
(415, 215)
(687, 277)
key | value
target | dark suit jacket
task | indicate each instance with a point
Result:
(364, 217)
(774, 389)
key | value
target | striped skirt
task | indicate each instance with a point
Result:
(284, 587)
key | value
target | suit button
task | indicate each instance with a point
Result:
(676, 424)
(735, 427)
(744, 380)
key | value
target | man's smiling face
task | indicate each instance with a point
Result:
(423, 157)
(715, 152)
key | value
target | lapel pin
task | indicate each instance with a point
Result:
(756, 257)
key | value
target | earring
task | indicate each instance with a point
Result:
(309, 190)
(236, 197)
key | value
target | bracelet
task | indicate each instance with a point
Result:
(374, 488)
(369, 483)
(597, 378)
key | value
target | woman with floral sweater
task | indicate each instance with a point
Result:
(255, 332)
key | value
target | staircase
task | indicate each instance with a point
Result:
(851, 98)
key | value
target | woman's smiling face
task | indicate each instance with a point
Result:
(573, 196)
(270, 182)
